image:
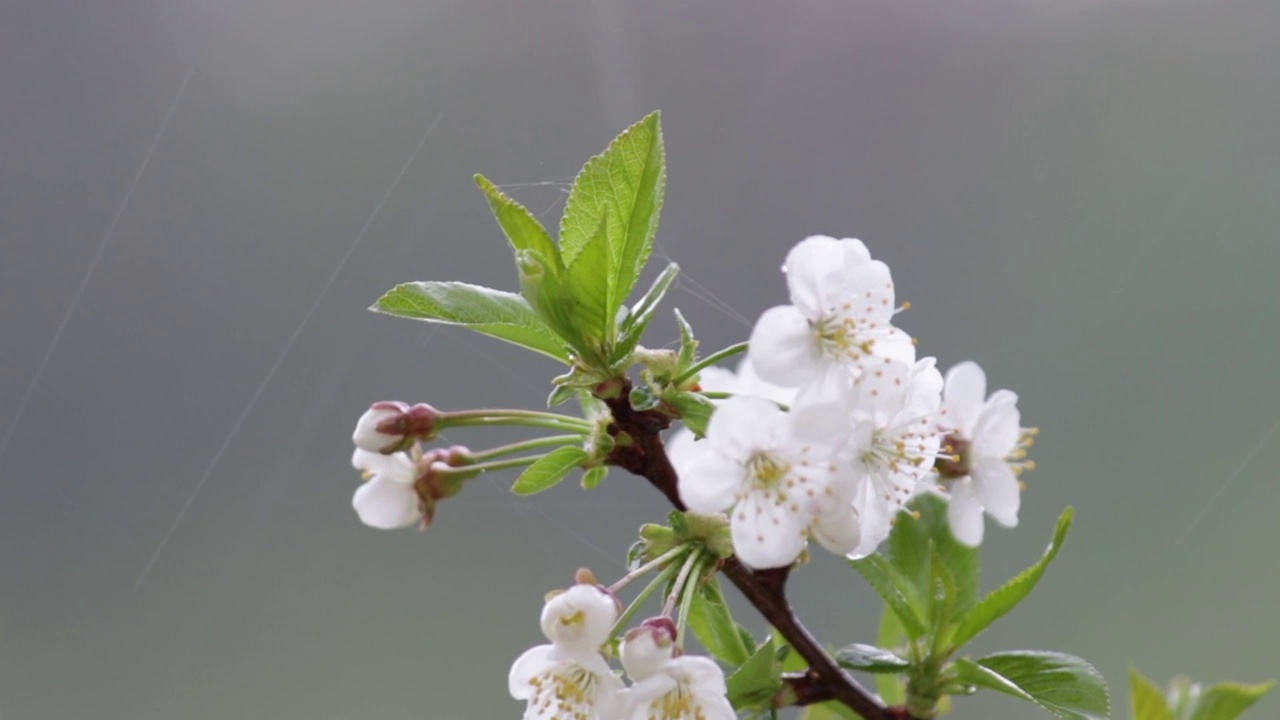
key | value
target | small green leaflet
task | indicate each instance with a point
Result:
(1063, 685)
(520, 226)
(1006, 597)
(1227, 700)
(869, 658)
(1146, 699)
(495, 313)
(549, 470)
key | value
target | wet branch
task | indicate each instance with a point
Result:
(643, 454)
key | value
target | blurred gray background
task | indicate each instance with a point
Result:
(199, 199)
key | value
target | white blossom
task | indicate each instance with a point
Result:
(894, 441)
(389, 426)
(774, 472)
(569, 679)
(839, 319)
(387, 499)
(668, 685)
(988, 445)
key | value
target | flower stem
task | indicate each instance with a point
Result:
(492, 465)
(686, 599)
(523, 445)
(658, 581)
(677, 589)
(526, 418)
(644, 569)
(708, 361)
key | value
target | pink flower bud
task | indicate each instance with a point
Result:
(388, 427)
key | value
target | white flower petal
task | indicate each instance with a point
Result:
(718, 379)
(996, 433)
(385, 504)
(684, 449)
(711, 483)
(743, 426)
(924, 390)
(838, 531)
(767, 534)
(997, 490)
(966, 389)
(750, 383)
(533, 662)
(784, 349)
(642, 693)
(964, 513)
(816, 275)
(397, 467)
(870, 289)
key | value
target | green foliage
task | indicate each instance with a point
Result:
(591, 479)
(549, 470)
(892, 688)
(830, 710)
(637, 319)
(713, 625)
(620, 189)
(495, 313)
(895, 589)
(1186, 700)
(1063, 685)
(520, 226)
(869, 658)
(586, 293)
(756, 681)
(999, 602)
(694, 409)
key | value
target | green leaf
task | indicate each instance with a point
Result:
(688, 344)
(520, 226)
(1000, 601)
(622, 187)
(892, 587)
(694, 409)
(1227, 700)
(1063, 685)
(758, 679)
(1146, 699)
(591, 478)
(638, 319)
(713, 625)
(869, 658)
(830, 710)
(587, 291)
(892, 688)
(495, 313)
(549, 470)
(543, 287)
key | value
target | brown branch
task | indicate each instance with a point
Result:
(641, 452)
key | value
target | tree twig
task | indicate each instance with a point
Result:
(640, 451)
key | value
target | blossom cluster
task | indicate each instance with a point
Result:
(833, 425)
(570, 678)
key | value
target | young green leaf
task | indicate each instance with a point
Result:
(638, 319)
(694, 409)
(894, 588)
(1000, 601)
(869, 658)
(1227, 700)
(591, 478)
(522, 229)
(688, 344)
(1063, 685)
(892, 688)
(713, 625)
(758, 679)
(549, 470)
(1146, 699)
(544, 286)
(587, 290)
(495, 313)
(623, 187)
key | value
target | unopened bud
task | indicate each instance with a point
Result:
(388, 427)
(647, 648)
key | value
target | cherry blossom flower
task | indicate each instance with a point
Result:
(668, 685)
(894, 441)
(988, 445)
(839, 319)
(386, 500)
(775, 472)
(569, 678)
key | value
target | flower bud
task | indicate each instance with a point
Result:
(580, 617)
(646, 649)
(388, 427)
